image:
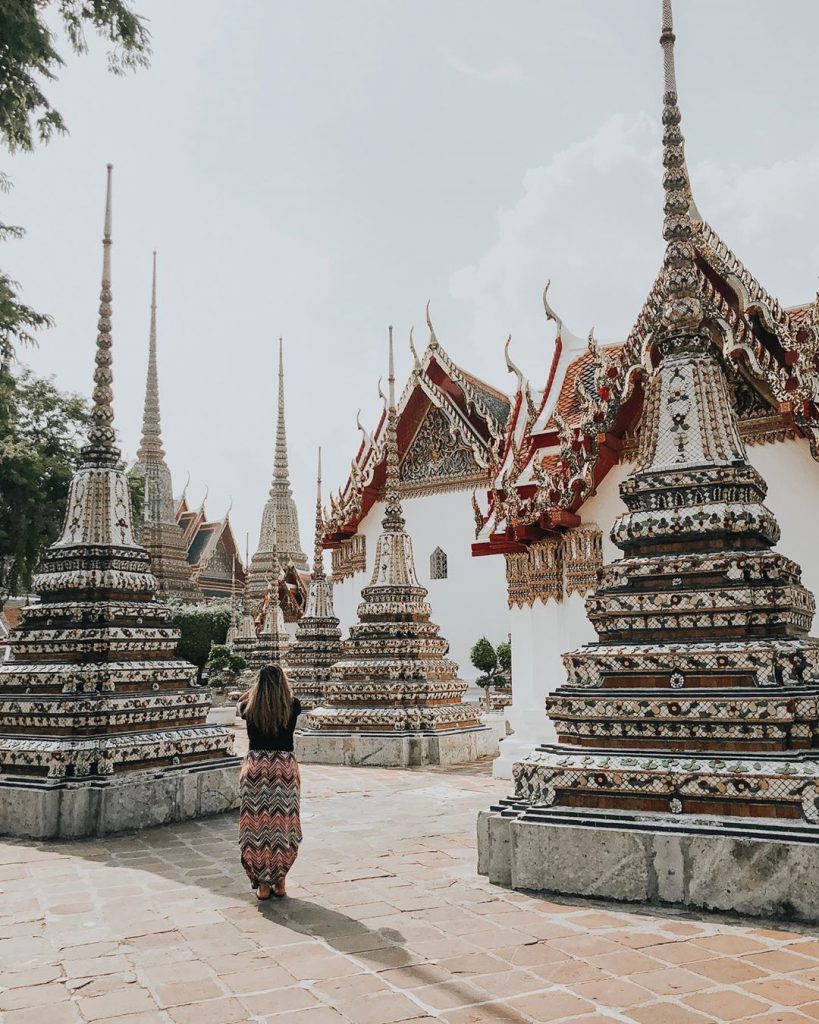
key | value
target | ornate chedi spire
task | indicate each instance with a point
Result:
(101, 448)
(272, 641)
(244, 637)
(99, 721)
(279, 516)
(394, 697)
(159, 532)
(318, 639)
(696, 712)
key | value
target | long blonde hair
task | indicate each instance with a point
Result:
(269, 701)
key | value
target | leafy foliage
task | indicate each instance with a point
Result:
(29, 57)
(41, 432)
(17, 320)
(483, 656)
(224, 665)
(201, 627)
(29, 60)
(494, 662)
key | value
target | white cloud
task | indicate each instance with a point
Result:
(591, 221)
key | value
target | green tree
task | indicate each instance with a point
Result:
(224, 665)
(29, 61)
(485, 659)
(41, 432)
(201, 626)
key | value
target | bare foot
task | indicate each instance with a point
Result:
(263, 892)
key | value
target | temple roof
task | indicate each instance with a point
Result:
(467, 411)
(561, 441)
(202, 538)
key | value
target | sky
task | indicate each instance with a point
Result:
(319, 170)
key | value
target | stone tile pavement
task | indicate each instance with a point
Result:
(386, 922)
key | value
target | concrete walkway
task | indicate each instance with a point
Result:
(386, 922)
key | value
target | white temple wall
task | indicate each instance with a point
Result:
(792, 476)
(542, 633)
(470, 603)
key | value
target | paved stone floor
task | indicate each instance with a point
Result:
(386, 922)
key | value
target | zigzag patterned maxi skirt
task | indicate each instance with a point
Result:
(269, 822)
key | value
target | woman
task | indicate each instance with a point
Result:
(269, 822)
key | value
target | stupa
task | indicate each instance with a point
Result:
(280, 516)
(394, 698)
(243, 634)
(160, 532)
(317, 646)
(101, 727)
(272, 641)
(686, 769)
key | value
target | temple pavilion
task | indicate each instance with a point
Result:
(394, 698)
(685, 766)
(159, 532)
(101, 726)
(212, 551)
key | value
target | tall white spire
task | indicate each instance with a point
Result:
(160, 533)
(281, 472)
(280, 521)
(151, 443)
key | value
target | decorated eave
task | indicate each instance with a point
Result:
(476, 415)
(560, 443)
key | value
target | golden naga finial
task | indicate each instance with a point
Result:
(417, 367)
(433, 338)
(510, 366)
(367, 438)
(550, 313)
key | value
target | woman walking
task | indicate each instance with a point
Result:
(269, 822)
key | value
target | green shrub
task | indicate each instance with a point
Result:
(224, 665)
(201, 626)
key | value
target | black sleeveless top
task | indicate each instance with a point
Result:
(281, 740)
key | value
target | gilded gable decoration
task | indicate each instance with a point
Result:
(437, 454)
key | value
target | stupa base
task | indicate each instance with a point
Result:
(396, 750)
(759, 867)
(77, 810)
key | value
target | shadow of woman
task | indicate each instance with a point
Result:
(343, 933)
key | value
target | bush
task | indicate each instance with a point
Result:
(223, 665)
(494, 663)
(201, 626)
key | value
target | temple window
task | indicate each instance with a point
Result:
(437, 565)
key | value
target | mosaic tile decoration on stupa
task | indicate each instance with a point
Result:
(393, 675)
(317, 645)
(701, 695)
(94, 689)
